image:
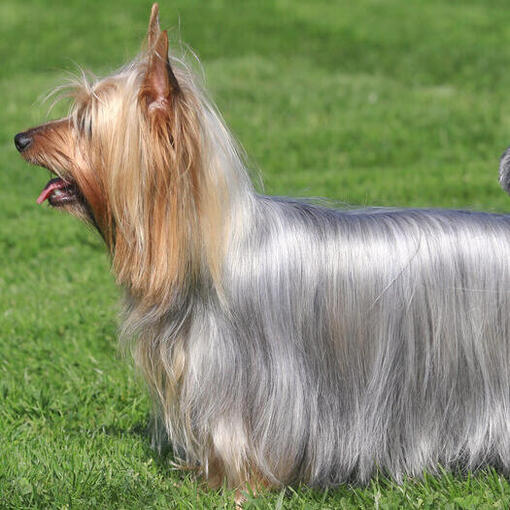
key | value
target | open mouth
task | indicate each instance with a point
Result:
(58, 192)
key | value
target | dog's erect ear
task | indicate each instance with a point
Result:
(154, 30)
(159, 84)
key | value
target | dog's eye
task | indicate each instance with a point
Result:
(85, 125)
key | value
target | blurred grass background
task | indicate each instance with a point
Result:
(369, 103)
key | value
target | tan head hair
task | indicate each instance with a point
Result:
(155, 167)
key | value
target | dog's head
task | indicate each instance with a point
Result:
(120, 124)
(126, 159)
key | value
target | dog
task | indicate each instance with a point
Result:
(282, 341)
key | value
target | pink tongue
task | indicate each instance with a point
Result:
(50, 188)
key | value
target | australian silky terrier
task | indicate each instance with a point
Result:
(282, 341)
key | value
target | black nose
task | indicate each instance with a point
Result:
(22, 141)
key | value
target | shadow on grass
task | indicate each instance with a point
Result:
(159, 450)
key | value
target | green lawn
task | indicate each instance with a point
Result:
(391, 102)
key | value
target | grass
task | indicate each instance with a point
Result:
(370, 103)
